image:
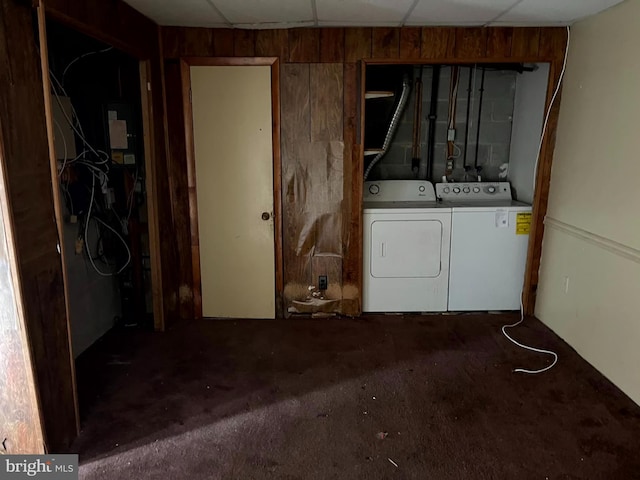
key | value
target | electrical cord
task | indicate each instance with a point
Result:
(546, 118)
(97, 174)
(527, 347)
(86, 243)
(64, 72)
(535, 172)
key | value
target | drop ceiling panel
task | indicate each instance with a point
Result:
(457, 12)
(187, 13)
(554, 11)
(362, 12)
(265, 11)
(297, 13)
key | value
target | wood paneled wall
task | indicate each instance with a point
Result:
(28, 177)
(29, 188)
(342, 49)
(20, 427)
(349, 45)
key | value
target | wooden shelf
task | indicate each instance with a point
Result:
(372, 151)
(378, 94)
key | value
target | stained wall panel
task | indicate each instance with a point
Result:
(312, 165)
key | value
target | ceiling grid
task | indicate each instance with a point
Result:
(263, 14)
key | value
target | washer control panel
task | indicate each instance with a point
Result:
(469, 192)
(399, 191)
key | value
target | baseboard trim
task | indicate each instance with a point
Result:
(597, 240)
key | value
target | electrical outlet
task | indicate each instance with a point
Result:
(323, 283)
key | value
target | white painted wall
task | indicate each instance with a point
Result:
(592, 235)
(528, 117)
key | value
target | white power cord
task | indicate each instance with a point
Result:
(526, 347)
(535, 173)
(86, 239)
(97, 173)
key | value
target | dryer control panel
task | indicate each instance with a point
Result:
(472, 192)
(399, 191)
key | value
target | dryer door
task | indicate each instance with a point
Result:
(406, 248)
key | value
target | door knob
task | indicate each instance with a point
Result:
(266, 216)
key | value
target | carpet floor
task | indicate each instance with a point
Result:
(398, 397)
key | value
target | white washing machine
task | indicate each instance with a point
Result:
(406, 247)
(489, 241)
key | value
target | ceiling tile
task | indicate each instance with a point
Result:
(554, 11)
(457, 12)
(265, 11)
(187, 13)
(362, 12)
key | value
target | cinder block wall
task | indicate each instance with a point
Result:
(495, 126)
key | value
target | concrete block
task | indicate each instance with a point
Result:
(499, 154)
(495, 132)
(501, 110)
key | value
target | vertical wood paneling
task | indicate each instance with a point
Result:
(19, 415)
(352, 238)
(470, 42)
(499, 41)
(326, 92)
(541, 194)
(553, 42)
(526, 42)
(223, 42)
(272, 43)
(244, 43)
(385, 43)
(296, 128)
(116, 23)
(410, 42)
(304, 45)
(171, 41)
(25, 159)
(196, 42)
(332, 45)
(357, 44)
(179, 186)
(438, 43)
(350, 111)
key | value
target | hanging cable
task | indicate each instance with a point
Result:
(86, 242)
(84, 55)
(546, 118)
(535, 169)
(98, 169)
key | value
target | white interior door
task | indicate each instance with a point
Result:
(232, 128)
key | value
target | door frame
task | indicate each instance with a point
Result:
(185, 73)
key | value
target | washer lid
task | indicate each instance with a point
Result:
(404, 205)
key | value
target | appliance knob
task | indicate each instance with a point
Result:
(446, 190)
(476, 190)
(491, 189)
(456, 190)
(421, 188)
(466, 189)
(374, 189)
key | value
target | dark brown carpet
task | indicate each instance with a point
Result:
(343, 398)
